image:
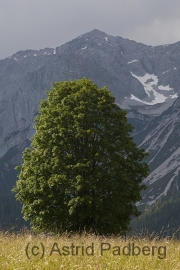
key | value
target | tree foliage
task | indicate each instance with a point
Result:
(83, 171)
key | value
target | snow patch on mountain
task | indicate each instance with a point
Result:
(171, 163)
(174, 96)
(152, 89)
(132, 61)
(164, 193)
(165, 88)
(157, 132)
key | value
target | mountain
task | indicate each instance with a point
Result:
(161, 218)
(141, 77)
(161, 200)
(160, 138)
(144, 80)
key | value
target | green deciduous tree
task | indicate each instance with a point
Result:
(83, 171)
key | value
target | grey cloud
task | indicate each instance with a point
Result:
(32, 24)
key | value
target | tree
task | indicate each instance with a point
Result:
(83, 171)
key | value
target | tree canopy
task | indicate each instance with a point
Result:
(83, 170)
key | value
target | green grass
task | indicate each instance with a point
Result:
(13, 255)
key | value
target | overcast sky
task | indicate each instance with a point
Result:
(36, 24)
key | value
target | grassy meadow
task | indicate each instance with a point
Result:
(25, 250)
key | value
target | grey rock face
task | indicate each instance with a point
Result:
(113, 61)
(161, 139)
